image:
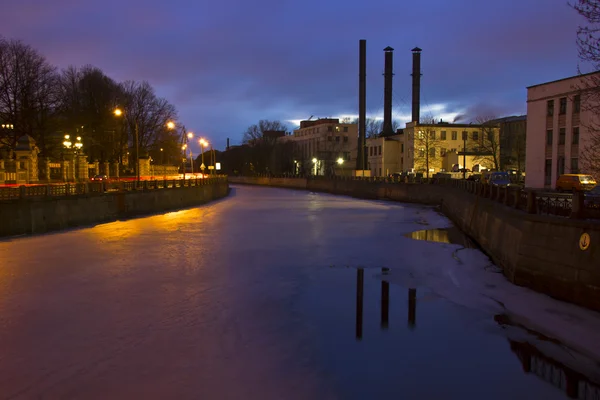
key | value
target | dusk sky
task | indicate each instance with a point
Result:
(227, 64)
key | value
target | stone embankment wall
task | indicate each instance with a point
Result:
(537, 251)
(46, 214)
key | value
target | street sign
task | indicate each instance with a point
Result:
(202, 167)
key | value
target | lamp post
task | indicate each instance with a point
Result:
(118, 112)
(340, 162)
(162, 162)
(315, 162)
(202, 143)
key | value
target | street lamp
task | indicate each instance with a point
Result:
(315, 162)
(118, 112)
(202, 144)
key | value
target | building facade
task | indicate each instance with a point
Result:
(556, 130)
(513, 133)
(325, 147)
(446, 147)
(384, 154)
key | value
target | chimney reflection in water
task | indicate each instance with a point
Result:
(385, 304)
(412, 308)
(360, 274)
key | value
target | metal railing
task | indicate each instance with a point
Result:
(12, 193)
(530, 201)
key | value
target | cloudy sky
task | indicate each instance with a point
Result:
(229, 63)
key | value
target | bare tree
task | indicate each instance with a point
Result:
(27, 92)
(146, 113)
(255, 133)
(374, 127)
(489, 142)
(427, 146)
(260, 146)
(87, 99)
(588, 43)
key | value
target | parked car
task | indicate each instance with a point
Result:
(99, 178)
(592, 198)
(575, 182)
(499, 179)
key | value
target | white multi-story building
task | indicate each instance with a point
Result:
(557, 129)
(325, 147)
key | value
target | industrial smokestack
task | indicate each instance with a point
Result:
(387, 91)
(227, 143)
(361, 159)
(416, 85)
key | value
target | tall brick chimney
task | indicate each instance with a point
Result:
(387, 91)
(361, 159)
(416, 84)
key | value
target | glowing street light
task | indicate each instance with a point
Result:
(171, 125)
(118, 112)
(78, 143)
(203, 143)
(67, 142)
(340, 161)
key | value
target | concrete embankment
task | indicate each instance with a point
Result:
(541, 252)
(45, 214)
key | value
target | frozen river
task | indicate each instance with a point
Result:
(280, 294)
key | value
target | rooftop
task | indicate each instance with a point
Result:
(565, 79)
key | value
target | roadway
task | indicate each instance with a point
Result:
(256, 296)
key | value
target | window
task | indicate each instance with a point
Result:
(432, 135)
(549, 137)
(443, 151)
(548, 172)
(576, 104)
(576, 135)
(490, 136)
(561, 135)
(464, 135)
(574, 165)
(562, 106)
(379, 171)
(402, 147)
(421, 152)
(432, 152)
(380, 150)
(329, 129)
(345, 129)
(345, 139)
(443, 135)
(454, 135)
(329, 138)
(421, 136)
(550, 108)
(560, 166)
(337, 138)
(475, 135)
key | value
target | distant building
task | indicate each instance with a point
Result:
(513, 132)
(556, 130)
(446, 147)
(384, 154)
(320, 144)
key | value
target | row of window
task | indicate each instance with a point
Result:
(317, 130)
(560, 168)
(562, 106)
(337, 139)
(374, 150)
(562, 132)
(465, 135)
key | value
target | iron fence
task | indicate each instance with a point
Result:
(100, 188)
